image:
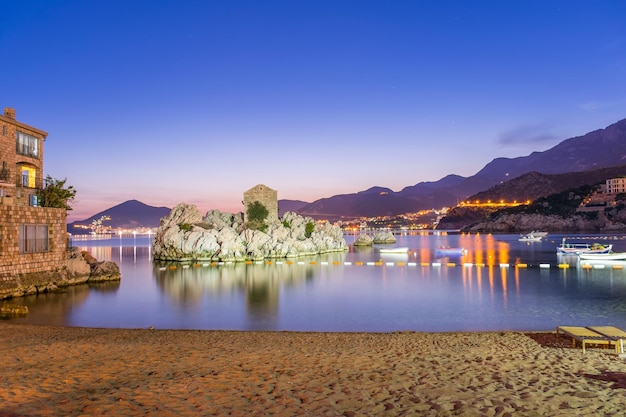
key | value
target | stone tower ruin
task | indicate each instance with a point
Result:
(264, 195)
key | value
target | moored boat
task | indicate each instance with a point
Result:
(610, 256)
(582, 248)
(531, 237)
(445, 251)
(402, 249)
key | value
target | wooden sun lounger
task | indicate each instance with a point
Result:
(613, 333)
(585, 336)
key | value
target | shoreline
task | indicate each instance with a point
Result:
(50, 370)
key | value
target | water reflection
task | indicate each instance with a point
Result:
(260, 282)
(359, 290)
(53, 308)
(480, 250)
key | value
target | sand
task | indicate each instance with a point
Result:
(63, 371)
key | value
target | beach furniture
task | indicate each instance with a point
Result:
(585, 336)
(613, 333)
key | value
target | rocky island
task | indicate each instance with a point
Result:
(187, 235)
(253, 235)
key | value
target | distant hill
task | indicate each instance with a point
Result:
(376, 201)
(598, 149)
(290, 205)
(529, 186)
(533, 185)
(130, 214)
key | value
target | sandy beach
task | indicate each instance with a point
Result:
(63, 371)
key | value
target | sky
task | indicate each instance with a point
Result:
(197, 101)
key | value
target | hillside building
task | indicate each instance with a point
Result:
(33, 239)
(616, 185)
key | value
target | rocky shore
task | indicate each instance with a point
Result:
(489, 220)
(79, 268)
(61, 371)
(520, 223)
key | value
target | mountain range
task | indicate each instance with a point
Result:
(603, 148)
(598, 149)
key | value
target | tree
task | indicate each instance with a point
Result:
(55, 194)
(256, 215)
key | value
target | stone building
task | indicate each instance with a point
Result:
(264, 195)
(33, 239)
(21, 155)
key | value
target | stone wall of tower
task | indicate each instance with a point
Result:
(264, 195)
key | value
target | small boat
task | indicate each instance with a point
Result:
(609, 256)
(531, 237)
(445, 251)
(402, 249)
(580, 248)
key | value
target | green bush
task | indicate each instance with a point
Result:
(256, 215)
(308, 229)
(55, 194)
(185, 227)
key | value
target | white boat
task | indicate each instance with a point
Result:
(445, 251)
(402, 249)
(610, 256)
(582, 248)
(531, 237)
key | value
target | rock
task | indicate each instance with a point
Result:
(232, 246)
(384, 237)
(184, 235)
(76, 268)
(363, 240)
(104, 271)
(97, 271)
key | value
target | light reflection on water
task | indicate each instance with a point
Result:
(360, 290)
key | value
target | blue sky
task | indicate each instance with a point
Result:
(198, 101)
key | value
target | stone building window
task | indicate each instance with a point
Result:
(28, 176)
(33, 238)
(4, 130)
(27, 145)
(4, 172)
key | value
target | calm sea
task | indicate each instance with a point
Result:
(360, 290)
